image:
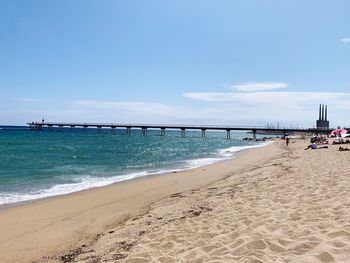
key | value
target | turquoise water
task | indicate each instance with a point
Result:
(40, 164)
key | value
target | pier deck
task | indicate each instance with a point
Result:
(182, 128)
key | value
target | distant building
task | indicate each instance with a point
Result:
(322, 123)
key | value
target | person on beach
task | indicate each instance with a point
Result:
(287, 141)
(313, 146)
(341, 149)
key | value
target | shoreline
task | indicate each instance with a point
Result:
(234, 154)
(29, 226)
(279, 204)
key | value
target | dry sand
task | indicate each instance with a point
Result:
(272, 204)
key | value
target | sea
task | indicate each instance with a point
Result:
(39, 164)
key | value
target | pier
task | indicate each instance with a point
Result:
(38, 126)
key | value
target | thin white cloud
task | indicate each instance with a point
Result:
(238, 108)
(226, 108)
(133, 108)
(140, 112)
(272, 98)
(288, 107)
(258, 86)
(25, 99)
(345, 40)
(149, 108)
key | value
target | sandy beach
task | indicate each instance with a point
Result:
(270, 204)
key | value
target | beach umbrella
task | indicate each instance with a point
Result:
(339, 132)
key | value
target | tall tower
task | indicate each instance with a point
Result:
(322, 123)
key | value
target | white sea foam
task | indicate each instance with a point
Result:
(82, 183)
(88, 182)
(202, 162)
(232, 151)
(223, 154)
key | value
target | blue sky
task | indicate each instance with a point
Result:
(202, 62)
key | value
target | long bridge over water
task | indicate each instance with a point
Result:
(37, 126)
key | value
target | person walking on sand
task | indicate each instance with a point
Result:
(287, 141)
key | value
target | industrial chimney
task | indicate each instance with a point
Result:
(322, 123)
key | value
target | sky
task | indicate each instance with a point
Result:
(227, 62)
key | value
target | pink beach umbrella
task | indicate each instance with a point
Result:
(339, 132)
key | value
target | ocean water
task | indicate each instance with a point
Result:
(38, 164)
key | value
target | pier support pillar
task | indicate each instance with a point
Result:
(203, 133)
(162, 131)
(128, 130)
(144, 131)
(183, 132)
(39, 127)
(113, 129)
(254, 135)
(228, 134)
